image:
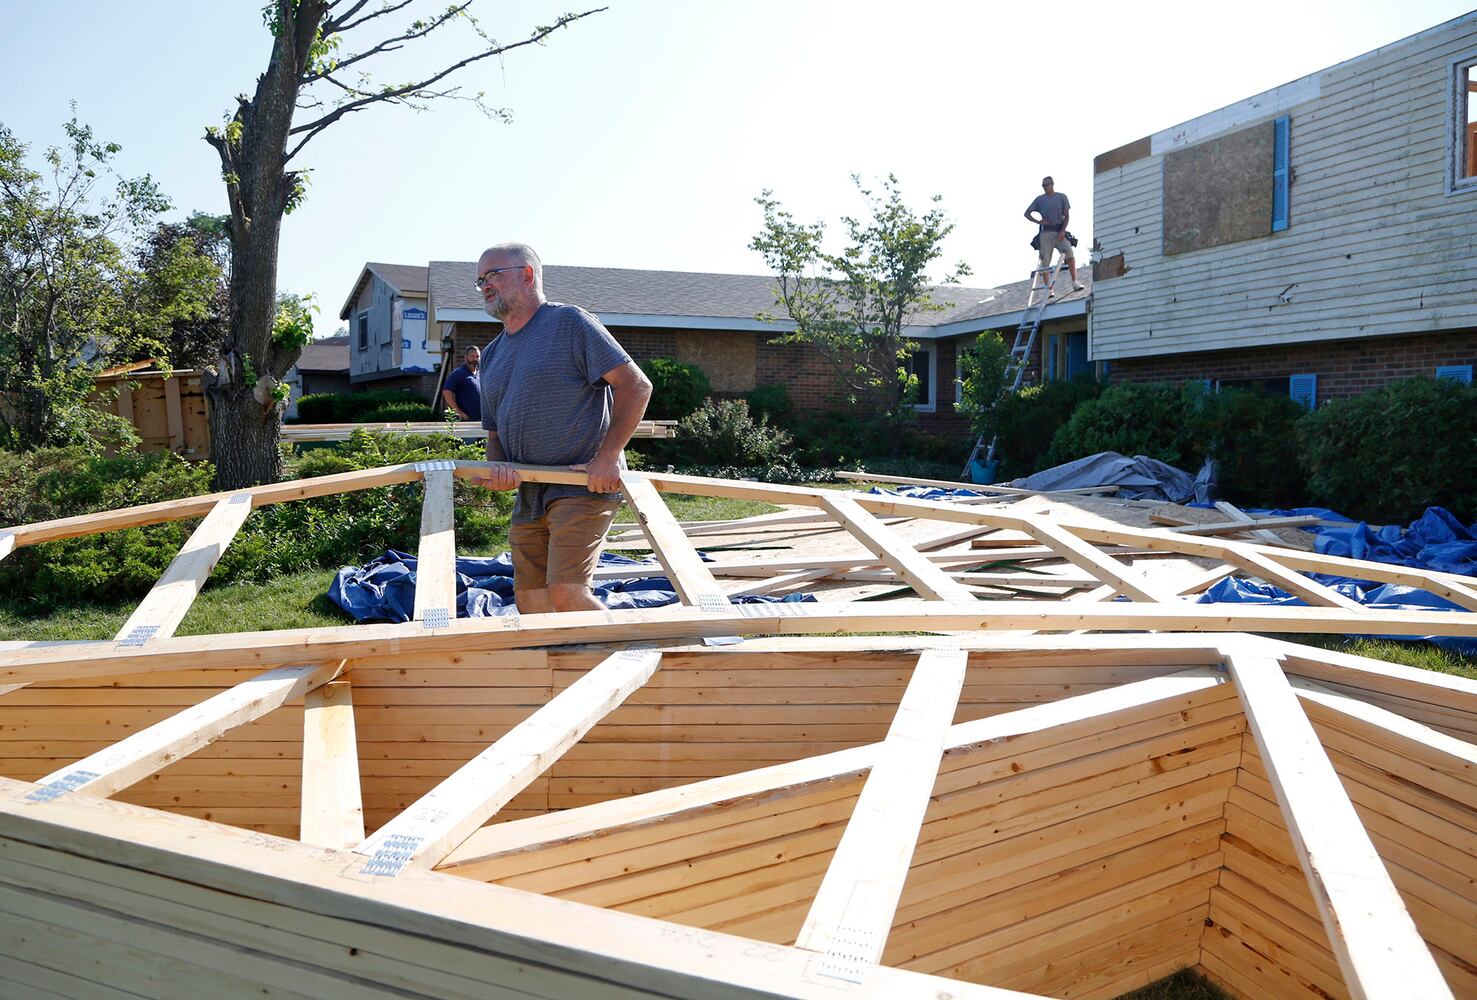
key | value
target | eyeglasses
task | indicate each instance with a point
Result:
(482, 281)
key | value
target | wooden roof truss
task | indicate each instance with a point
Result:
(1314, 743)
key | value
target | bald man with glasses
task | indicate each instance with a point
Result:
(557, 389)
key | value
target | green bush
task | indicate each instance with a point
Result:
(841, 438)
(1252, 437)
(677, 389)
(1250, 434)
(772, 401)
(324, 532)
(982, 386)
(351, 407)
(1388, 454)
(724, 433)
(1029, 419)
(56, 483)
(1158, 419)
(394, 413)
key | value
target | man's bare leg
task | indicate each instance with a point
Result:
(573, 597)
(533, 602)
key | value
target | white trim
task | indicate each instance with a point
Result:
(1269, 104)
(1457, 98)
(998, 321)
(1279, 99)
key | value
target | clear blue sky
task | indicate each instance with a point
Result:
(641, 136)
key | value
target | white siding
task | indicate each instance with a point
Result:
(1375, 246)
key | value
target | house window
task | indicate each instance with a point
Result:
(1066, 355)
(363, 320)
(1464, 126)
(1469, 108)
(922, 363)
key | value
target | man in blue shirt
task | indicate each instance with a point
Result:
(460, 392)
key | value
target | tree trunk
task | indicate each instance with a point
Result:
(244, 418)
(243, 437)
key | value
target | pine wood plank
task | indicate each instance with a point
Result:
(1107, 569)
(435, 565)
(550, 942)
(167, 603)
(1002, 491)
(129, 760)
(1000, 733)
(921, 574)
(860, 891)
(174, 415)
(332, 804)
(1289, 580)
(692, 578)
(448, 814)
(1378, 946)
(68, 660)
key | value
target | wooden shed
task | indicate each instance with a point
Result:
(928, 797)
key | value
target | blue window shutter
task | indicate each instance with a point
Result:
(1281, 133)
(1051, 348)
(1457, 373)
(1209, 387)
(1304, 389)
(1076, 354)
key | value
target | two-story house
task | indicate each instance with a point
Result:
(388, 341)
(1318, 239)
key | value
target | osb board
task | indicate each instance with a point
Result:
(728, 359)
(1219, 191)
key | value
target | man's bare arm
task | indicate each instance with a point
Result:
(449, 398)
(631, 390)
(501, 476)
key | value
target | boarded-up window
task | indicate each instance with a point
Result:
(1220, 191)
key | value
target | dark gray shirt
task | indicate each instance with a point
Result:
(544, 394)
(1053, 208)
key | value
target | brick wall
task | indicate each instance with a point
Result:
(1344, 367)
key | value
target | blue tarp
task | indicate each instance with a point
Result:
(384, 588)
(1435, 541)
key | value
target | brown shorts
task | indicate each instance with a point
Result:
(563, 546)
(1054, 239)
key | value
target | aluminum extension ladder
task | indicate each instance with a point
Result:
(1043, 285)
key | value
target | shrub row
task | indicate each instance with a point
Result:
(1383, 456)
(362, 407)
(324, 532)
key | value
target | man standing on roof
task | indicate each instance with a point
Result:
(1053, 210)
(462, 394)
(556, 390)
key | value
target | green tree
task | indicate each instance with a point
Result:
(983, 385)
(71, 300)
(854, 306)
(316, 75)
(185, 267)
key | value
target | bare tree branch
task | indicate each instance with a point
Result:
(388, 45)
(411, 89)
(341, 24)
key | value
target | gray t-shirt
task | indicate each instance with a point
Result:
(543, 393)
(1053, 208)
